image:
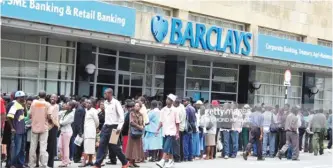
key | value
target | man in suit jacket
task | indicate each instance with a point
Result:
(77, 126)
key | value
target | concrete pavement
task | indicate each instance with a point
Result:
(306, 161)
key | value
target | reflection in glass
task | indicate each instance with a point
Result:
(195, 84)
(224, 86)
(136, 80)
(106, 62)
(106, 77)
(223, 97)
(198, 72)
(124, 79)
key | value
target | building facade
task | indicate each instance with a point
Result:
(204, 50)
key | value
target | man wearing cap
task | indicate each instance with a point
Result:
(190, 128)
(169, 120)
(16, 121)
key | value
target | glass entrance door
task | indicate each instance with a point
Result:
(129, 85)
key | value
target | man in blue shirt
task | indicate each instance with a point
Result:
(189, 129)
(256, 133)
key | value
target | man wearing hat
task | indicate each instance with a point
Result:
(16, 121)
(169, 120)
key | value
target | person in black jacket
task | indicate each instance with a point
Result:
(77, 127)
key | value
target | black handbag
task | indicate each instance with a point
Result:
(136, 133)
(273, 128)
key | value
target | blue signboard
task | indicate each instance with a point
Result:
(289, 50)
(87, 15)
(235, 41)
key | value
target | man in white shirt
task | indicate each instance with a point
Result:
(269, 137)
(114, 119)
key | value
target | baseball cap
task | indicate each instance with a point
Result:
(246, 106)
(199, 102)
(19, 94)
(215, 103)
(172, 97)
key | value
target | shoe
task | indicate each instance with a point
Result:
(161, 163)
(279, 154)
(190, 160)
(127, 165)
(226, 157)
(135, 165)
(170, 164)
(295, 159)
(111, 163)
(261, 159)
(245, 154)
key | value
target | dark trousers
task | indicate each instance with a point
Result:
(78, 153)
(282, 138)
(308, 143)
(8, 147)
(244, 138)
(254, 137)
(291, 141)
(112, 155)
(187, 146)
(104, 142)
(301, 134)
(71, 148)
(329, 146)
(52, 145)
(179, 154)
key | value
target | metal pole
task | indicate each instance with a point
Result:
(286, 96)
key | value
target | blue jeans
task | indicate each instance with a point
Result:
(234, 141)
(195, 145)
(289, 152)
(254, 146)
(18, 150)
(187, 146)
(269, 138)
(226, 143)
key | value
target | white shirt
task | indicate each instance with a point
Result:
(114, 113)
(66, 122)
(182, 116)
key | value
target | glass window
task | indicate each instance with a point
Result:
(148, 92)
(106, 62)
(224, 65)
(198, 72)
(9, 85)
(132, 55)
(149, 69)
(56, 71)
(131, 65)
(107, 51)
(196, 95)
(180, 81)
(10, 49)
(124, 79)
(195, 84)
(224, 75)
(216, 21)
(198, 62)
(159, 82)
(106, 77)
(10, 68)
(159, 68)
(101, 88)
(224, 86)
(280, 34)
(149, 80)
(325, 43)
(223, 97)
(136, 80)
(57, 54)
(29, 86)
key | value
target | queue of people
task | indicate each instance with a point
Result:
(181, 131)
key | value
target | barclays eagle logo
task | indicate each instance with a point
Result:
(159, 28)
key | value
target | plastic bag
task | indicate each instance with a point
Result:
(78, 140)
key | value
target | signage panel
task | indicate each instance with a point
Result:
(289, 50)
(87, 15)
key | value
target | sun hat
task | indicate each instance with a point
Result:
(172, 97)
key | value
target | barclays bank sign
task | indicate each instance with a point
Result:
(213, 38)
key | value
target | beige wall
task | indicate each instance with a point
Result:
(313, 19)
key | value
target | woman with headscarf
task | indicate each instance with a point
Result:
(91, 124)
(66, 120)
(153, 142)
(134, 150)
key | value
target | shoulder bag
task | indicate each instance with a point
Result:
(273, 127)
(135, 132)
